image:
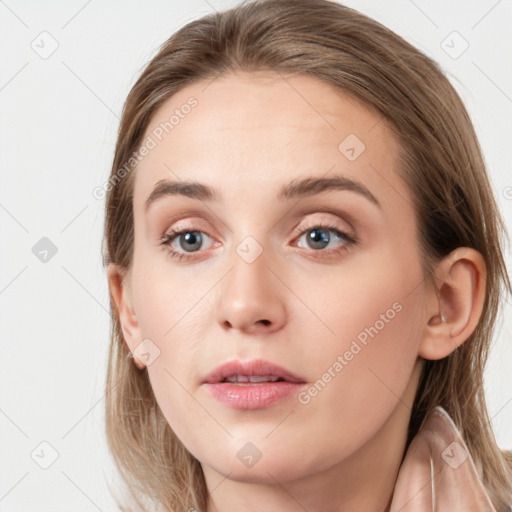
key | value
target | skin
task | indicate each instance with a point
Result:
(249, 135)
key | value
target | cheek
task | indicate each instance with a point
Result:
(366, 361)
(171, 315)
(169, 302)
(377, 325)
(372, 364)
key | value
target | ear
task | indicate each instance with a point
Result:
(119, 283)
(454, 302)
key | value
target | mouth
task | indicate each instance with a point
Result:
(252, 379)
(257, 384)
(253, 372)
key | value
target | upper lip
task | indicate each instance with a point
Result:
(255, 367)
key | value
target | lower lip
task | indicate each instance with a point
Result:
(252, 396)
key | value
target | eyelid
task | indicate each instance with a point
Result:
(340, 214)
(326, 223)
(195, 213)
(183, 222)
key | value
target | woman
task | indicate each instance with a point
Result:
(304, 257)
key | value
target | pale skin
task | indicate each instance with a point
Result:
(249, 135)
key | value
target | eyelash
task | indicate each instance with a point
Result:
(349, 241)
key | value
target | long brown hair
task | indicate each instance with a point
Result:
(441, 162)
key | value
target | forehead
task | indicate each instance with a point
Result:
(260, 130)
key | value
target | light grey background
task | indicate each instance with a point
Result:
(59, 116)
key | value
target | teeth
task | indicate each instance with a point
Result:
(263, 378)
(252, 378)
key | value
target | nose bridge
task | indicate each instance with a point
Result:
(251, 297)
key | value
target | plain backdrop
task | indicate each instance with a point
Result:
(65, 71)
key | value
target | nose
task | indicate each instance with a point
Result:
(252, 297)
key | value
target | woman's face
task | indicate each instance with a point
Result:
(266, 269)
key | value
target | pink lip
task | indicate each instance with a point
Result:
(252, 395)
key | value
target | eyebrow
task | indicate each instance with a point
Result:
(298, 188)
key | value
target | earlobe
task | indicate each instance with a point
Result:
(454, 303)
(118, 281)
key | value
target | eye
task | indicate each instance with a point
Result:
(318, 238)
(191, 241)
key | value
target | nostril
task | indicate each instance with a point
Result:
(265, 322)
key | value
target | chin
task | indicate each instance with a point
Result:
(271, 466)
(261, 473)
